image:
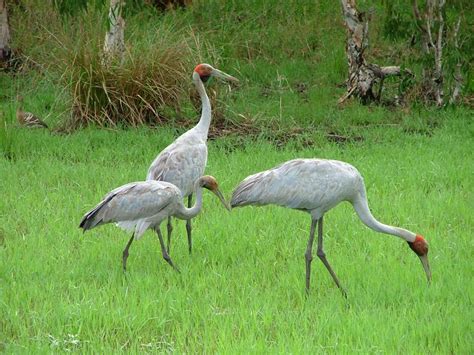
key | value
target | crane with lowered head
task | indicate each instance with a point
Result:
(143, 205)
(315, 186)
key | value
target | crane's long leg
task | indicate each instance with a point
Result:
(308, 255)
(163, 249)
(188, 226)
(322, 256)
(169, 227)
(125, 252)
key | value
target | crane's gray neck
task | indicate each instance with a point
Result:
(189, 213)
(205, 121)
(362, 208)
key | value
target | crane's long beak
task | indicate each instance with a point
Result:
(220, 74)
(218, 193)
(426, 266)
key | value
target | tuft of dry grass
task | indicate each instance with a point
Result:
(132, 93)
(153, 78)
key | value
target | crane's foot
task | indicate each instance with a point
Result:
(125, 253)
(170, 262)
(163, 250)
(124, 261)
(169, 228)
(189, 229)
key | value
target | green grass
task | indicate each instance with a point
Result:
(289, 56)
(242, 290)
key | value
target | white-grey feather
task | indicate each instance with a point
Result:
(313, 185)
(136, 206)
(182, 162)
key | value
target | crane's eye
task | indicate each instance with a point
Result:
(205, 78)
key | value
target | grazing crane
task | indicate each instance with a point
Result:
(28, 119)
(143, 205)
(184, 160)
(315, 186)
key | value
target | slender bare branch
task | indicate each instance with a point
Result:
(429, 17)
(362, 75)
(438, 75)
(4, 32)
(424, 32)
(458, 79)
(114, 44)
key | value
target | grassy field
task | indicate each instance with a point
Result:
(242, 290)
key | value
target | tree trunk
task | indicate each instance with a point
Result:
(458, 80)
(433, 36)
(438, 74)
(362, 75)
(114, 44)
(5, 51)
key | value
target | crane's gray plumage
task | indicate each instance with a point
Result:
(184, 161)
(312, 185)
(315, 186)
(135, 206)
(143, 205)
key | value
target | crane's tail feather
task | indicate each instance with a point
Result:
(248, 191)
(238, 199)
(92, 218)
(137, 227)
(89, 221)
(128, 226)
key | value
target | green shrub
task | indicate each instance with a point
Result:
(154, 75)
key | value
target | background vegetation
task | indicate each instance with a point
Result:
(289, 55)
(242, 290)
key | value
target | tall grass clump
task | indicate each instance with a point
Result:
(153, 77)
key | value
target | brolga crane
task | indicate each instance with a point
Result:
(315, 186)
(143, 205)
(184, 160)
(28, 119)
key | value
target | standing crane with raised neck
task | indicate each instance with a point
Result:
(315, 186)
(184, 160)
(143, 205)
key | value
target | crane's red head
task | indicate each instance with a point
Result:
(210, 183)
(204, 71)
(420, 247)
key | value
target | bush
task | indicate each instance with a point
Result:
(153, 77)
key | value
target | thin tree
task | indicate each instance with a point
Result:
(114, 44)
(5, 51)
(430, 23)
(363, 76)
